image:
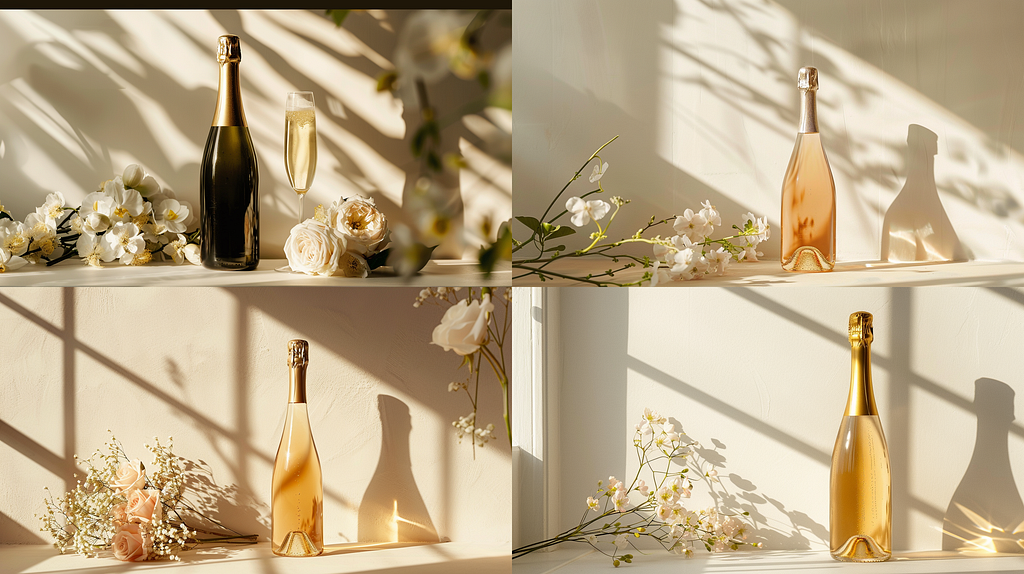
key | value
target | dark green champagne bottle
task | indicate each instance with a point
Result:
(229, 177)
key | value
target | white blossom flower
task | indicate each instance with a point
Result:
(591, 538)
(593, 503)
(192, 254)
(92, 249)
(642, 488)
(620, 500)
(128, 203)
(710, 214)
(583, 211)
(666, 495)
(175, 215)
(9, 261)
(622, 541)
(53, 207)
(598, 173)
(719, 260)
(176, 249)
(125, 242)
(693, 225)
(14, 237)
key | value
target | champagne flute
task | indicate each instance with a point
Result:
(300, 142)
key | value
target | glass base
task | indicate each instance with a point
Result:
(861, 549)
(808, 259)
(297, 543)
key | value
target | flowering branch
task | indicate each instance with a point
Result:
(690, 254)
(469, 327)
(660, 514)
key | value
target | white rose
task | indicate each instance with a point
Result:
(314, 248)
(464, 327)
(352, 265)
(362, 224)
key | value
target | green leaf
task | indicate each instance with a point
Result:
(378, 259)
(5, 215)
(558, 248)
(386, 81)
(338, 16)
(433, 162)
(484, 78)
(466, 360)
(530, 222)
(560, 231)
(500, 250)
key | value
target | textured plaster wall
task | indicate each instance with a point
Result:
(207, 366)
(703, 96)
(761, 379)
(85, 93)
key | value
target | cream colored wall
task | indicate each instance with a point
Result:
(703, 96)
(207, 366)
(85, 93)
(761, 378)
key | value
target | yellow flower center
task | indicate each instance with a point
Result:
(440, 226)
(96, 206)
(121, 212)
(171, 215)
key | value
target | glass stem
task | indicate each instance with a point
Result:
(301, 196)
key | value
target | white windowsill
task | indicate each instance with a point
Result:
(454, 558)
(581, 559)
(846, 274)
(72, 273)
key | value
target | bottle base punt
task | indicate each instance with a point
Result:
(809, 260)
(230, 264)
(861, 549)
(297, 543)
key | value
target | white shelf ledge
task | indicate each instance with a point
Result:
(846, 274)
(72, 273)
(453, 558)
(584, 560)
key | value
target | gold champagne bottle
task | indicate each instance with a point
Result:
(860, 513)
(297, 518)
(808, 192)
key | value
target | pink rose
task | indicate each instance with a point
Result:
(144, 506)
(119, 514)
(131, 476)
(128, 545)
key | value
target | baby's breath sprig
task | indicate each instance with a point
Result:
(657, 510)
(135, 509)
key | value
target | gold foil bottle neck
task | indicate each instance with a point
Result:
(229, 49)
(807, 78)
(860, 328)
(298, 353)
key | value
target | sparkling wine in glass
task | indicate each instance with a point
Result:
(300, 142)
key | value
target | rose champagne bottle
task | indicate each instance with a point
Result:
(297, 520)
(808, 192)
(860, 512)
(229, 176)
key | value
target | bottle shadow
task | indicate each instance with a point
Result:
(916, 227)
(986, 512)
(392, 509)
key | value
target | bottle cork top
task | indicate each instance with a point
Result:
(298, 353)
(229, 49)
(860, 327)
(807, 79)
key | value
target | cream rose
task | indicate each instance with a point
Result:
(464, 327)
(314, 248)
(352, 265)
(128, 544)
(119, 514)
(362, 224)
(131, 476)
(144, 506)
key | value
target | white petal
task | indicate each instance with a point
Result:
(580, 219)
(575, 205)
(598, 209)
